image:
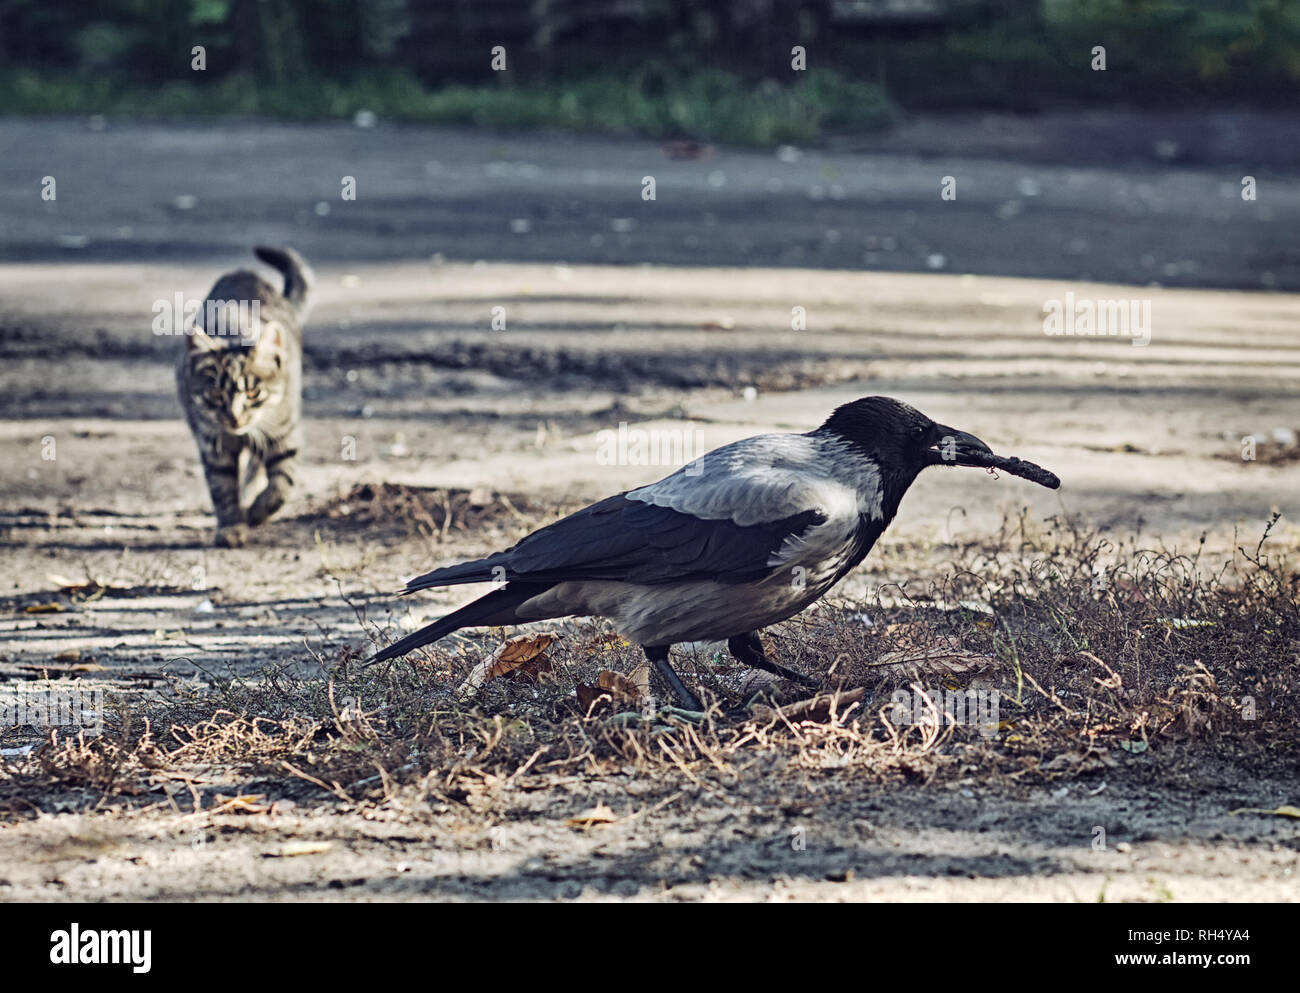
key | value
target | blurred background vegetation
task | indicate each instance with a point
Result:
(699, 69)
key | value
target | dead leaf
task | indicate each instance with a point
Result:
(523, 648)
(599, 814)
(614, 688)
(590, 696)
(72, 655)
(43, 608)
(817, 709)
(523, 656)
(1286, 810)
(531, 671)
(633, 688)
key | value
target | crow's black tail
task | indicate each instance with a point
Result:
(485, 610)
(297, 273)
(491, 569)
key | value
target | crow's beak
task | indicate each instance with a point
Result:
(957, 448)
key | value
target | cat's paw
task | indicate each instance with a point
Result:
(231, 536)
(267, 503)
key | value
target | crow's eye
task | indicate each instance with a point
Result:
(919, 431)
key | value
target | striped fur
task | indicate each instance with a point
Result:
(240, 383)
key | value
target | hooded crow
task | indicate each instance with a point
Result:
(745, 536)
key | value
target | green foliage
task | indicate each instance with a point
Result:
(680, 69)
(1157, 51)
(710, 105)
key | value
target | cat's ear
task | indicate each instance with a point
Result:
(200, 342)
(268, 349)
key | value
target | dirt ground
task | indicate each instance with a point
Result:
(407, 385)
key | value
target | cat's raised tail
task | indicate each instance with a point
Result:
(298, 277)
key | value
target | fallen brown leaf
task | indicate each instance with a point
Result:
(590, 697)
(522, 656)
(614, 688)
(632, 688)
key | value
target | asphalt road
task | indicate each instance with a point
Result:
(1121, 197)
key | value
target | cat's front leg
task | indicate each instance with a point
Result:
(222, 474)
(281, 464)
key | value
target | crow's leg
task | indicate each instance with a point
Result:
(748, 650)
(658, 654)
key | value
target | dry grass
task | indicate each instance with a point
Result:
(386, 512)
(1092, 648)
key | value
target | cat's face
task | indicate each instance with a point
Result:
(234, 385)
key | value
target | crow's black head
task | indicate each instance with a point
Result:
(899, 438)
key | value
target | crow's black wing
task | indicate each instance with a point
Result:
(636, 542)
(734, 515)
(622, 539)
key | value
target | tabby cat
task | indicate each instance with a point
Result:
(240, 382)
